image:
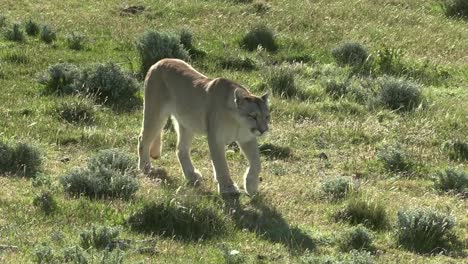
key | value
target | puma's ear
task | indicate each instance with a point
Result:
(238, 97)
(265, 98)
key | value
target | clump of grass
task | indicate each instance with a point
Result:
(395, 159)
(457, 150)
(44, 253)
(99, 237)
(261, 7)
(282, 82)
(110, 173)
(237, 63)
(272, 151)
(451, 180)
(350, 53)
(15, 33)
(18, 58)
(110, 85)
(3, 21)
(22, 159)
(61, 79)
(76, 111)
(399, 94)
(259, 35)
(75, 254)
(76, 41)
(388, 61)
(337, 188)
(153, 46)
(45, 202)
(183, 221)
(424, 230)
(456, 8)
(31, 28)
(353, 257)
(369, 213)
(358, 238)
(48, 35)
(336, 89)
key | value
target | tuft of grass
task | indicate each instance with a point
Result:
(15, 33)
(3, 21)
(18, 58)
(110, 174)
(237, 63)
(99, 237)
(44, 254)
(357, 238)
(61, 79)
(451, 180)
(31, 28)
(48, 35)
(76, 111)
(424, 230)
(395, 159)
(336, 89)
(45, 202)
(261, 7)
(353, 257)
(75, 41)
(153, 46)
(75, 254)
(350, 53)
(369, 213)
(456, 8)
(399, 94)
(259, 35)
(457, 150)
(337, 188)
(183, 221)
(23, 159)
(274, 152)
(282, 82)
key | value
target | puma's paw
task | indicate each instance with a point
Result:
(251, 186)
(194, 178)
(145, 167)
(228, 189)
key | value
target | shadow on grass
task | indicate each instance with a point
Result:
(267, 223)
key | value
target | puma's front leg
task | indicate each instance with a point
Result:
(251, 180)
(221, 169)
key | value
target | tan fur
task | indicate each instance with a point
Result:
(219, 108)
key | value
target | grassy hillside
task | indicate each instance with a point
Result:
(338, 154)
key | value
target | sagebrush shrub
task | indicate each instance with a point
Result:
(76, 41)
(358, 238)
(395, 159)
(186, 38)
(424, 230)
(61, 79)
(456, 8)
(45, 201)
(184, 221)
(113, 159)
(237, 63)
(336, 89)
(337, 188)
(350, 53)
(48, 35)
(109, 84)
(31, 28)
(366, 212)
(259, 35)
(451, 180)
(99, 237)
(76, 111)
(22, 159)
(282, 82)
(399, 94)
(15, 33)
(457, 150)
(153, 46)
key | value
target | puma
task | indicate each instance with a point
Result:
(219, 108)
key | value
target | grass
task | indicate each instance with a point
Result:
(290, 220)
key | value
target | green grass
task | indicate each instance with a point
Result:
(291, 220)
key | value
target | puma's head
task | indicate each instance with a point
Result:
(253, 111)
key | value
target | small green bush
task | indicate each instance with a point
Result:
(337, 188)
(61, 79)
(282, 82)
(110, 173)
(395, 159)
(399, 94)
(237, 63)
(184, 221)
(44, 254)
(186, 38)
(368, 213)
(451, 180)
(48, 35)
(15, 33)
(75, 254)
(76, 111)
(358, 238)
(456, 8)
(45, 202)
(99, 237)
(153, 46)
(76, 41)
(424, 230)
(274, 152)
(23, 159)
(259, 35)
(457, 150)
(31, 28)
(336, 89)
(350, 53)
